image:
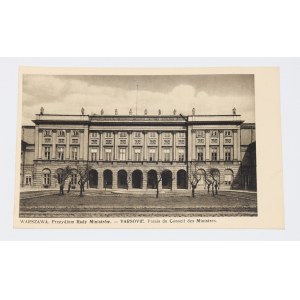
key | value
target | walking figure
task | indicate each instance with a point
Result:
(69, 186)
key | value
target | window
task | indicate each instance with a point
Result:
(181, 134)
(47, 152)
(152, 154)
(28, 179)
(108, 154)
(47, 132)
(166, 154)
(152, 134)
(94, 153)
(73, 178)
(199, 133)
(94, 134)
(200, 153)
(181, 142)
(60, 133)
(94, 142)
(123, 142)
(152, 142)
(181, 154)
(228, 176)
(167, 142)
(108, 142)
(227, 133)
(214, 133)
(61, 141)
(74, 153)
(137, 142)
(123, 134)
(46, 177)
(214, 154)
(167, 134)
(137, 154)
(75, 132)
(122, 152)
(108, 134)
(75, 141)
(61, 153)
(228, 151)
(137, 134)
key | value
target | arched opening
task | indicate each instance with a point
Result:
(93, 179)
(107, 179)
(137, 179)
(202, 177)
(122, 179)
(46, 178)
(166, 179)
(228, 177)
(151, 179)
(181, 179)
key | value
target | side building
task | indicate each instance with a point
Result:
(129, 152)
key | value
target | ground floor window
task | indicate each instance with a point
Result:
(228, 177)
(28, 179)
(94, 153)
(74, 179)
(46, 177)
(47, 152)
(74, 153)
(214, 154)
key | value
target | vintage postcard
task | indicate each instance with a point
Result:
(149, 148)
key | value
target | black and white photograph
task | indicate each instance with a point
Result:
(137, 148)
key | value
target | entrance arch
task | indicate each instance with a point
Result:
(122, 179)
(107, 179)
(181, 179)
(151, 179)
(137, 179)
(93, 179)
(166, 179)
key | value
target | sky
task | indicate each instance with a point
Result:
(67, 94)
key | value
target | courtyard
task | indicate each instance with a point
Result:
(104, 204)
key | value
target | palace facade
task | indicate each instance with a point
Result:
(128, 152)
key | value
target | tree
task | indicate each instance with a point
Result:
(83, 174)
(158, 179)
(212, 180)
(62, 175)
(194, 176)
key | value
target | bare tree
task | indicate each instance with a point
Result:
(158, 179)
(83, 172)
(194, 176)
(62, 175)
(212, 180)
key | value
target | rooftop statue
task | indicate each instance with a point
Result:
(194, 111)
(82, 111)
(42, 110)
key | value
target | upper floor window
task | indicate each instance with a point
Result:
(47, 153)
(94, 141)
(227, 133)
(167, 134)
(60, 133)
(75, 132)
(200, 153)
(199, 133)
(75, 141)
(181, 134)
(214, 133)
(61, 140)
(74, 153)
(152, 154)
(122, 153)
(108, 134)
(228, 153)
(47, 132)
(94, 153)
(123, 134)
(94, 134)
(108, 155)
(152, 134)
(47, 140)
(166, 154)
(137, 134)
(181, 154)
(214, 153)
(61, 153)
(181, 142)
(137, 154)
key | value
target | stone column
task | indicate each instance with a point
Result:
(115, 180)
(159, 145)
(174, 146)
(40, 143)
(221, 143)
(54, 144)
(99, 154)
(144, 146)
(207, 154)
(68, 144)
(86, 144)
(190, 143)
(36, 142)
(193, 144)
(115, 146)
(129, 146)
(239, 144)
(81, 144)
(101, 148)
(235, 143)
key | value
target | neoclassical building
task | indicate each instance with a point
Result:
(129, 152)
